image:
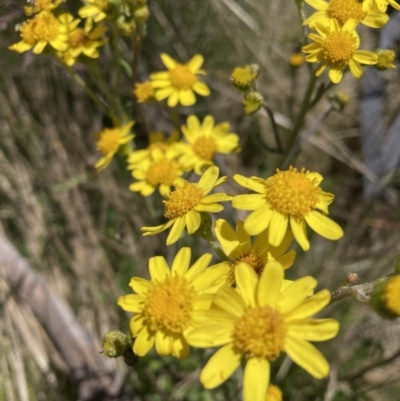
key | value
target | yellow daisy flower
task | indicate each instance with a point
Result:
(37, 32)
(382, 5)
(392, 294)
(288, 198)
(385, 297)
(205, 141)
(274, 393)
(238, 246)
(164, 305)
(336, 48)
(343, 10)
(162, 171)
(144, 91)
(179, 83)
(42, 5)
(109, 141)
(259, 322)
(187, 201)
(94, 10)
(84, 41)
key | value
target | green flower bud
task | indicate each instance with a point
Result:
(385, 59)
(252, 102)
(142, 13)
(115, 343)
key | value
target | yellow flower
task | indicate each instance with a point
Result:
(243, 78)
(144, 91)
(392, 295)
(238, 246)
(259, 322)
(42, 5)
(274, 393)
(382, 5)
(109, 141)
(94, 10)
(81, 40)
(344, 10)
(288, 198)
(187, 201)
(162, 171)
(164, 305)
(205, 141)
(178, 83)
(385, 298)
(336, 48)
(37, 32)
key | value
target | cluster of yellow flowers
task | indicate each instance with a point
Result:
(336, 41)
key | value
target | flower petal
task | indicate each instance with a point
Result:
(324, 226)
(131, 303)
(258, 221)
(270, 284)
(198, 267)
(168, 61)
(256, 379)
(192, 221)
(230, 301)
(158, 268)
(140, 285)
(314, 329)
(195, 63)
(210, 335)
(208, 179)
(143, 342)
(201, 88)
(209, 277)
(179, 346)
(187, 97)
(181, 262)
(248, 202)
(299, 230)
(250, 183)
(277, 228)
(246, 280)
(310, 306)
(176, 230)
(163, 343)
(227, 238)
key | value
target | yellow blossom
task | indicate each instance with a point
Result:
(259, 322)
(385, 297)
(42, 5)
(109, 141)
(243, 78)
(344, 10)
(37, 32)
(187, 201)
(144, 92)
(164, 305)
(296, 59)
(336, 48)
(238, 247)
(94, 10)
(179, 83)
(287, 199)
(205, 141)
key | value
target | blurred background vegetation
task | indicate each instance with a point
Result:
(80, 230)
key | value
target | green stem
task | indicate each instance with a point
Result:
(117, 79)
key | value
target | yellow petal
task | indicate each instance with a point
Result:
(250, 183)
(198, 267)
(140, 285)
(355, 68)
(248, 202)
(230, 301)
(192, 221)
(324, 226)
(163, 343)
(187, 97)
(335, 74)
(277, 228)
(158, 268)
(176, 230)
(168, 61)
(195, 63)
(298, 227)
(256, 379)
(201, 88)
(136, 324)
(227, 238)
(208, 179)
(181, 262)
(210, 335)
(310, 306)
(220, 367)
(208, 278)
(179, 346)
(246, 280)
(314, 329)
(243, 237)
(173, 99)
(287, 260)
(270, 284)
(258, 221)
(143, 342)
(131, 303)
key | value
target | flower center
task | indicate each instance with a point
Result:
(181, 77)
(43, 27)
(163, 171)
(169, 305)
(392, 294)
(291, 192)
(109, 141)
(343, 10)
(339, 47)
(78, 38)
(205, 147)
(260, 333)
(253, 259)
(182, 199)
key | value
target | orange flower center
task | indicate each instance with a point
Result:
(260, 333)
(343, 10)
(169, 305)
(205, 147)
(43, 27)
(253, 259)
(184, 198)
(163, 171)
(181, 77)
(392, 294)
(109, 141)
(339, 47)
(78, 38)
(291, 192)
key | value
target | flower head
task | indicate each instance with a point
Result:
(274, 393)
(288, 198)
(43, 29)
(42, 5)
(344, 10)
(243, 78)
(109, 141)
(187, 201)
(385, 298)
(144, 91)
(164, 305)
(258, 323)
(336, 48)
(205, 141)
(385, 59)
(95, 10)
(238, 246)
(179, 83)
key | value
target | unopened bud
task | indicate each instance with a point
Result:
(296, 59)
(142, 13)
(352, 278)
(115, 343)
(340, 99)
(385, 59)
(252, 102)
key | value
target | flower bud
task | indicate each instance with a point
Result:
(252, 102)
(296, 59)
(115, 343)
(385, 59)
(142, 13)
(340, 99)
(274, 393)
(244, 78)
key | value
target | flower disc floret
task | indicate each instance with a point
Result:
(343, 10)
(205, 147)
(260, 333)
(339, 47)
(163, 171)
(169, 305)
(253, 259)
(181, 77)
(185, 197)
(291, 192)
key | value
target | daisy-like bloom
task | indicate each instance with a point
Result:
(288, 198)
(385, 298)
(243, 78)
(187, 201)
(382, 5)
(259, 322)
(274, 393)
(162, 171)
(42, 5)
(164, 305)
(205, 141)
(94, 10)
(84, 41)
(179, 83)
(37, 32)
(343, 10)
(144, 92)
(336, 48)
(238, 246)
(109, 141)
